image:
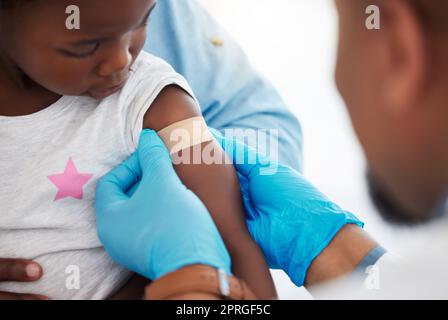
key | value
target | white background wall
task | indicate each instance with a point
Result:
(293, 42)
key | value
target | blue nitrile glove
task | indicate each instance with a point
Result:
(159, 226)
(287, 216)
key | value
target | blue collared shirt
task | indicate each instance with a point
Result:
(231, 93)
(445, 209)
(442, 210)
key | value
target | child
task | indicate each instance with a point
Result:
(72, 106)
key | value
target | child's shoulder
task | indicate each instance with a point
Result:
(147, 60)
(149, 75)
(149, 67)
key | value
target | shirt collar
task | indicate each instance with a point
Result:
(442, 208)
(445, 207)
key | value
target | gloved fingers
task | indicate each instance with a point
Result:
(133, 189)
(249, 209)
(202, 242)
(247, 160)
(114, 185)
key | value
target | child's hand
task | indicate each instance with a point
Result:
(287, 216)
(19, 270)
(159, 226)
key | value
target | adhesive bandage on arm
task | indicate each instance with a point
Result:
(185, 134)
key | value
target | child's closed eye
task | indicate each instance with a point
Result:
(80, 52)
(87, 50)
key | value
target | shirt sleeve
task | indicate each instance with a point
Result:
(149, 76)
(230, 92)
(370, 259)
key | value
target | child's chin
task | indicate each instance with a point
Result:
(105, 93)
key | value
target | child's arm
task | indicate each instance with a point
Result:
(218, 187)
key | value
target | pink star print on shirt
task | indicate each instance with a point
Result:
(70, 183)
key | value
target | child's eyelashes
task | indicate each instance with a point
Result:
(145, 23)
(85, 49)
(147, 17)
(79, 53)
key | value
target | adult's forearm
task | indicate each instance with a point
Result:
(198, 282)
(341, 257)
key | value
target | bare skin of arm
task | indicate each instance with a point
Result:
(341, 257)
(217, 185)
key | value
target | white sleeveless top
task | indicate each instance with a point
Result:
(50, 162)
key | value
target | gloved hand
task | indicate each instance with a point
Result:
(157, 226)
(287, 216)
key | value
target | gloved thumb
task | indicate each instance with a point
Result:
(153, 155)
(113, 186)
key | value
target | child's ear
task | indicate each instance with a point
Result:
(407, 56)
(172, 105)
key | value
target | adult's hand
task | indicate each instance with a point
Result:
(288, 217)
(149, 222)
(19, 270)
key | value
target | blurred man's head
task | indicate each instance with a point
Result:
(395, 84)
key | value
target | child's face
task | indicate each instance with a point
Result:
(94, 60)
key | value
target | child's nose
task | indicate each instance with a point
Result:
(117, 62)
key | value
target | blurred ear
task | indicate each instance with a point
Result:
(407, 57)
